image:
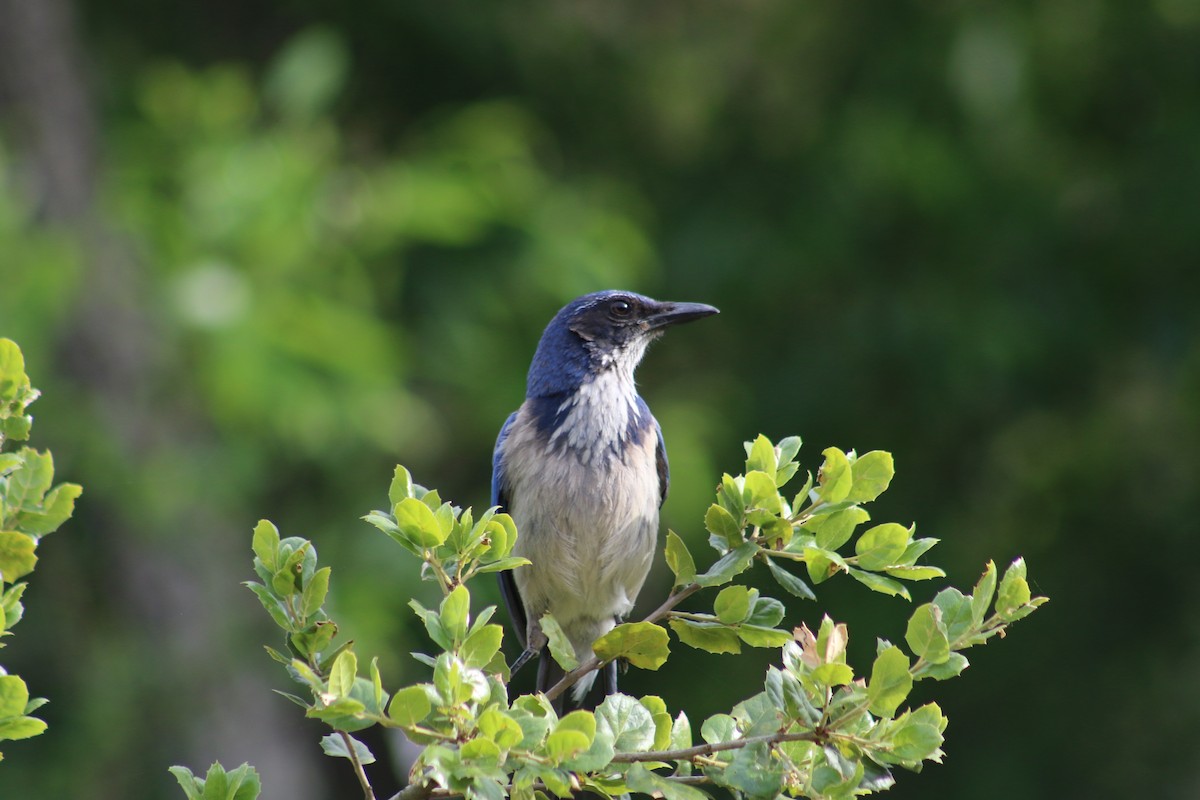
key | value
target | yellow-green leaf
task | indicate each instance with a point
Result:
(643, 644)
(417, 522)
(680, 560)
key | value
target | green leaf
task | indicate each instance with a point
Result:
(315, 591)
(732, 563)
(315, 638)
(216, 784)
(17, 557)
(761, 457)
(916, 548)
(681, 732)
(417, 523)
(721, 523)
(56, 508)
(341, 677)
(833, 674)
(789, 446)
(732, 604)
(981, 598)
(582, 721)
(711, 637)
(481, 645)
(191, 785)
(561, 648)
(730, 496)
(455, 613)
(719, 728)
(410, 706)
(503, 564)
(402, 486)
(640, 779)
(878, 583)
(952, 667)
(334, 745)
(786, 692)
(680, 560)
(1013, 592)
(501, 728)
(380, 696)
(871, 473)
(762, 636)
(14, 696)
(21, 727)
(12, 371)
(662, 720)
(595, 758)
(627, 721)
(761, 492)
(757, 715)
(917, 736)
(266, 544)
(34, 704)
(244, 783)
(790, 582)
(28, 485)
(765, 611)
(916, 573)
(561, 745)
(533, 718)
(271, 604)
(433, 625)
(835, 479)
(926, 634)
(16, 429)
(890, 682)
(821, 564)
(882, 546)
(755, 772)
(503, 533)
(956, 612)
(835, 529)
(644, 644)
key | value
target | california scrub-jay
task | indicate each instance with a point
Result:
(582, 469)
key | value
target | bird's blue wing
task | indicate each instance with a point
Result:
(499, 489)
(508, 585)
(664, 469)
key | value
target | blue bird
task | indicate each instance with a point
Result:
(582, 469)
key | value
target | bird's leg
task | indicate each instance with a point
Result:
(535, 641)
(523, 659)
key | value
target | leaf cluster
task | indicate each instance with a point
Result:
(817, 727)
(30, 507)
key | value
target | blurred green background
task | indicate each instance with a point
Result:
(256, 253)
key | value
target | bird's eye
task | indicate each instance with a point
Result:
(620, 309)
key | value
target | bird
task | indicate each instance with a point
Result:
(581, 467)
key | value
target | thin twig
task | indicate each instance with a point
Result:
(368, 792)
(686, 753)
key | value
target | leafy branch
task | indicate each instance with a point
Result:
(30, 508)
(814, 728)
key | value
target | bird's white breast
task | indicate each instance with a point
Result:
(585, 500)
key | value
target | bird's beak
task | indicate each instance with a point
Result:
(674, 313)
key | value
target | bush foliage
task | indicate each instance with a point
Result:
(817, 727)
(30, 507)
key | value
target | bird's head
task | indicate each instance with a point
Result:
(602, 331)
